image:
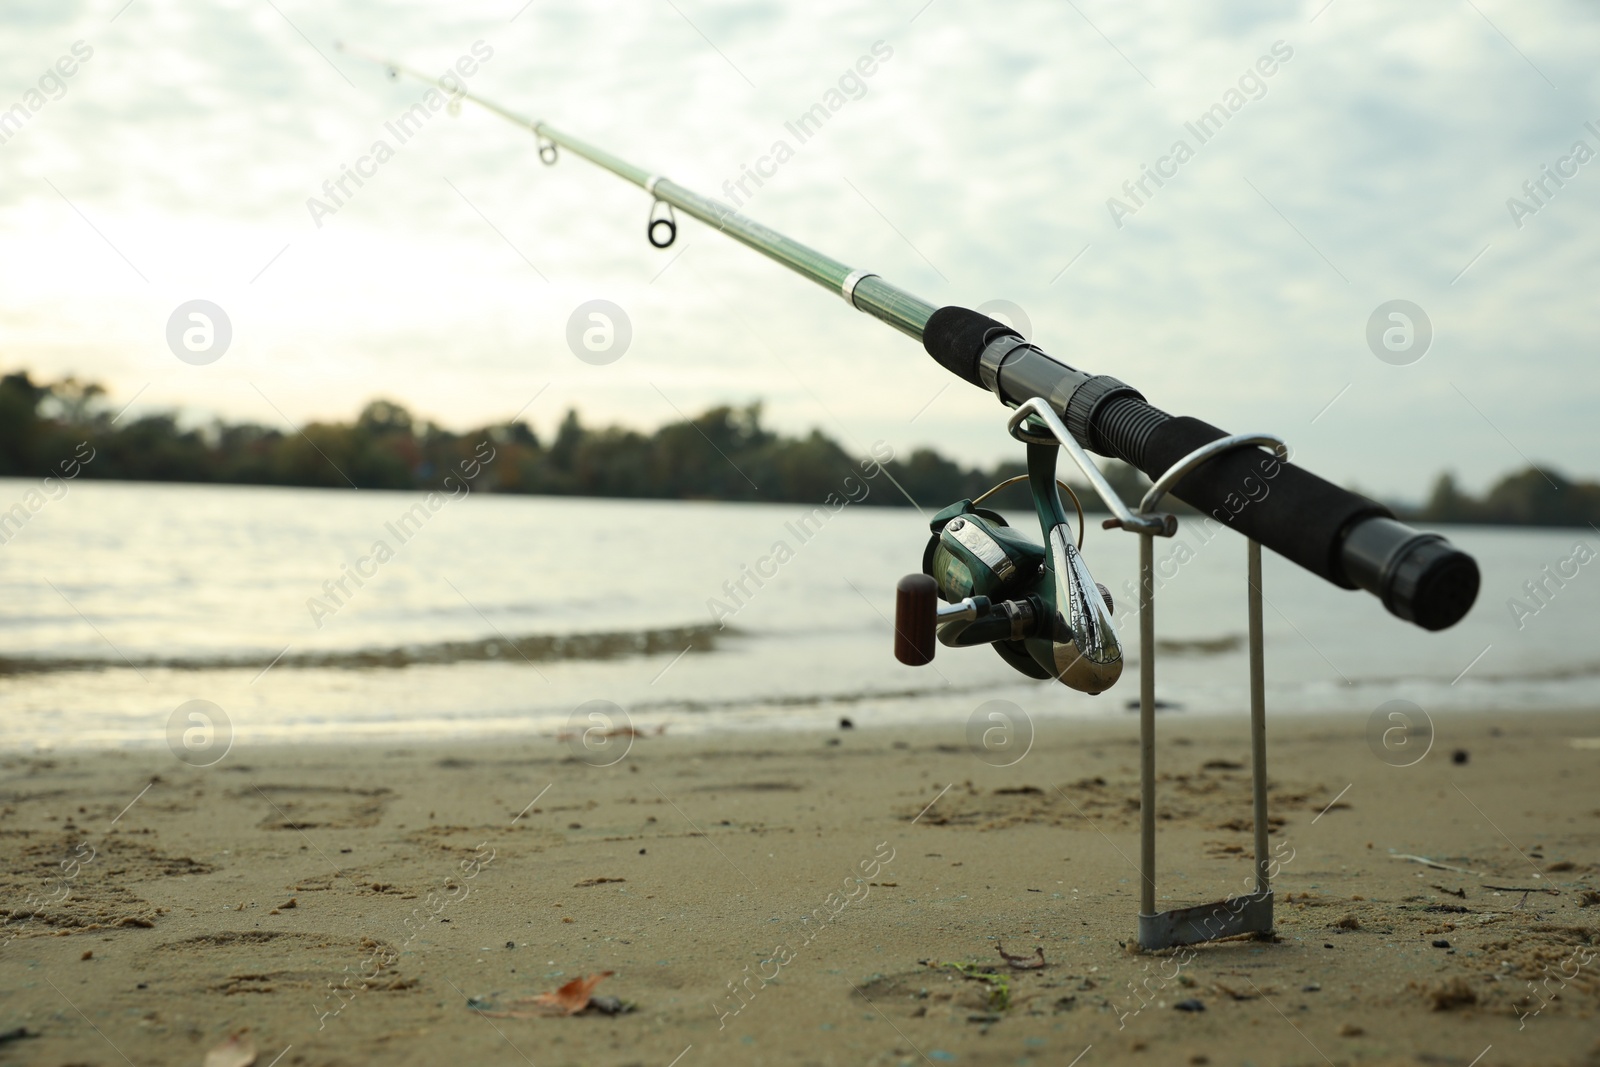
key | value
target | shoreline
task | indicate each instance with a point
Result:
(319, 895)
(393, 731)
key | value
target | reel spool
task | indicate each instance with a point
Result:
(1037, 605)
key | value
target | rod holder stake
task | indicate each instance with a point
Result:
(1247, 913)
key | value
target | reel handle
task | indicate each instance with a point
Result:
(916, 607)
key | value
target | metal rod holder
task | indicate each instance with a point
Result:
(1249, 913)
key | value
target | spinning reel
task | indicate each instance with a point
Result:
(1036, 604)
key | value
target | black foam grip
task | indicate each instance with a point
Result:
(1338, 535)
(1286, 508)
(956, 337)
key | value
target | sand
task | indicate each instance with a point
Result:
(798, 899)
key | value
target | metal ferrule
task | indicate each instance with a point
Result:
(847, 288)
(994, 357)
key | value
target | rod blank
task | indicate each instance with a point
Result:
(1338, 535)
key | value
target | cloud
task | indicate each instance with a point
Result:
(977, 165)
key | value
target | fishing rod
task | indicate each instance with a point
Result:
(1052, 619)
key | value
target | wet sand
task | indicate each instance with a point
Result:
(801, 899)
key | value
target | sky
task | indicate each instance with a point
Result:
(1382, 159)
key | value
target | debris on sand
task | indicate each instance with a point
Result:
(1238, 994)
(1447, 996)
(1022, 963)
(596, 881)
(1349, 922)
(1524, 889)
(18, 1034)
(570, 999)
(1190, 1005)
(999, 998)
(1435, 864)
(573, 997)
(237, 1051)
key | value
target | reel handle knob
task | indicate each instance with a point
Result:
(916, 605)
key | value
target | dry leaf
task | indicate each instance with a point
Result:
(570, 999)
(573, 997)
(237, 1051)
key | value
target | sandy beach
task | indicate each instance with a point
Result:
(807, 898)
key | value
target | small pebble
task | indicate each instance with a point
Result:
(88, 955)
(511, 944)
(610, 1005)
(1350, 1030)
(1441, 943)
(1190, 1005)
(846, 724)
(1459, 756)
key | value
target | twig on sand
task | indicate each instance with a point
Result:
(1524, 889)
(1435, 864)
(1022, 963)
(1235, 994)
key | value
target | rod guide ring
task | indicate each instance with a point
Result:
(847, 288)
(547, 147)
(669, 221)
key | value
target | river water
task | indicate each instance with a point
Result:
(501, 615)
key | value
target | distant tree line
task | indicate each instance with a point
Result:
(1532, 497)
(723, 454)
